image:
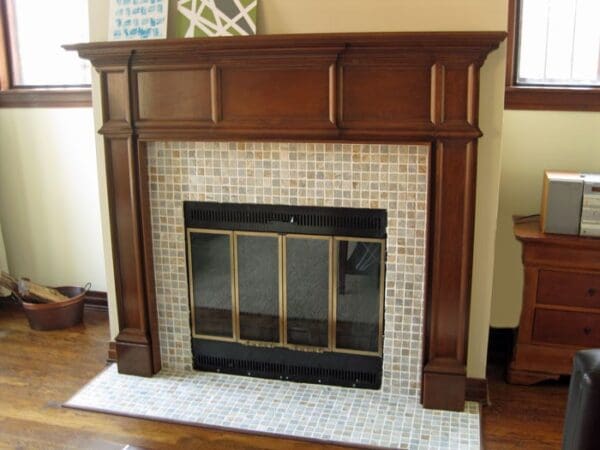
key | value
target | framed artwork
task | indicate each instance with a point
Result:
(196, 18)
(137, 19)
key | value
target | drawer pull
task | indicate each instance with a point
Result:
(592, 291)
(587, 331)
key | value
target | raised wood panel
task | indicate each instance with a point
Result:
(276, 96)
(457, 94)
(454, 205)
(174, 95)
(381, 96)
(116, 107)
(125, 233)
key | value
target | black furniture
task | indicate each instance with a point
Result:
(582, 420)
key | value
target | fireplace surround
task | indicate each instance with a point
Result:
(376, 88)
(390, 178)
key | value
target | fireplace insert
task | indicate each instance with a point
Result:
(287, 292)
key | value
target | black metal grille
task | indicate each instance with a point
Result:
(283, 218)
(287, 372)
(279, 363)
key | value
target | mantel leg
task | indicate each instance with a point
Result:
(451, 253)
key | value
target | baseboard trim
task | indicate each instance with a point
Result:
(477, 390)
(112, 352)
(96, 300)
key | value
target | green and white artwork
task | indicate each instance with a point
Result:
(197, 18)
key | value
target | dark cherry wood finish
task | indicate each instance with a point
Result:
(381, 87)
(561, 303)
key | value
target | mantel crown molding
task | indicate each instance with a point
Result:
(481, 42)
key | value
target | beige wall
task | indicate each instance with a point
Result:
(533, 142)
(329, 16)
(98, 16)
(3, 262)
(49, 196)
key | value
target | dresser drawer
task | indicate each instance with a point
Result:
(568, 288)
(567, 328)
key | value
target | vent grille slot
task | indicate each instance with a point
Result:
(287, 371)
(280, 218)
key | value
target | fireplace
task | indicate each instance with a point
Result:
(288, 292)
(340, 89)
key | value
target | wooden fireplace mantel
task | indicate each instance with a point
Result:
(367, 87)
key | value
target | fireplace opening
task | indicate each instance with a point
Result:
(294, 293)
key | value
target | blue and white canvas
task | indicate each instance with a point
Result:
(138, 19)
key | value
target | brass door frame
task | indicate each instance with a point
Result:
(236, 289)
(314, 348)
(333, 269)
(234, 312)
(336, 240)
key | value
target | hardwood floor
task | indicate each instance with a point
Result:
(523, 417)
(40, 370)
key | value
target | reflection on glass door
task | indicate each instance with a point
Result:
(211, 282)
(258, 286)
(307, 281)
(359, 294)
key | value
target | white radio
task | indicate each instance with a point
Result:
(571, 203)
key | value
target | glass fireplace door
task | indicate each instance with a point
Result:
(210, 265)
(258, 286)
(308, 290)
(358, 296)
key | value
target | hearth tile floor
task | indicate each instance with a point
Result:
(327, 413)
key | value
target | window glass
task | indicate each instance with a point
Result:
(559, 43)
(38, 31)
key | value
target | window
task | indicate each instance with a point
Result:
(553, 57)
(34, 69)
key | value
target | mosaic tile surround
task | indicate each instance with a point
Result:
(328, 413)
(393, 177)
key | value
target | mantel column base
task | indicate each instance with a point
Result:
(134, 359)
(444, 391)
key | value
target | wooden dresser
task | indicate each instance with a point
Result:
(561, 303)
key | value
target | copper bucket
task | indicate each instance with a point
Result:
(56, 316)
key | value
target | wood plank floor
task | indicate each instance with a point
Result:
(40, 370)
(523, 417)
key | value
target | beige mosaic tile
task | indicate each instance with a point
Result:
(393, 177)
(311, 411)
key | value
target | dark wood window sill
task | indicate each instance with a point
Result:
(46, 98)
(552, 99)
